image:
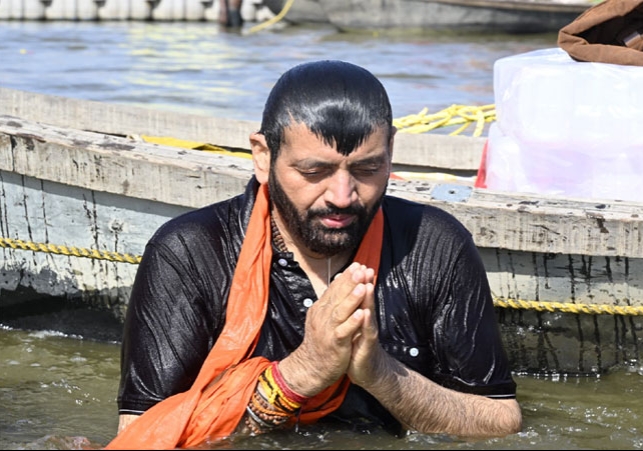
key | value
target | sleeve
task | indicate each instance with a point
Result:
(470, 352)
(170, 323)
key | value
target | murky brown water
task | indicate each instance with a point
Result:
(58, 391)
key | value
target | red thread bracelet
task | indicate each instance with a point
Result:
(285, 389)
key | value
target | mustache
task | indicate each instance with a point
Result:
(351, 210)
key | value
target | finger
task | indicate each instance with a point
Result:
(369, 297)
(343, 311)
(368, 305)
(344, 283)
(368, 272)
(369, 275)
(345, 304)
(353, 325)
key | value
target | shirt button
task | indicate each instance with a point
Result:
(282, 262)
(308, 302)
(414, 352)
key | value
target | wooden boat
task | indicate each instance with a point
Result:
(512, 16)
(134, 10)
(81, 192)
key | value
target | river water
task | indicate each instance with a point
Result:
(58, 386)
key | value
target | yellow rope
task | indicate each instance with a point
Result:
(274, 19)
(461, 115)
(195, 145)
(71, 251)
(566, 307)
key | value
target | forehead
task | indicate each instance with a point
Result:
(301, 143)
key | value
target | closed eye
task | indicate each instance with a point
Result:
(316, 172)
(366, 171)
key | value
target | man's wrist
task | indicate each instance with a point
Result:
(297, 379)
(382, 374)
(291, 395)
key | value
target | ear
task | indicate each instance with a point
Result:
(391, 144)
(260, 156)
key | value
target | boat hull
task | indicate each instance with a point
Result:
(77, 207)
(503, 16)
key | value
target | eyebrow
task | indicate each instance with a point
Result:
(378, 159)
(313, 162)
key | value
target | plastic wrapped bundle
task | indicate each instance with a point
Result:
(566, 127)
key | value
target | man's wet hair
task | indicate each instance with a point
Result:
(340, 102)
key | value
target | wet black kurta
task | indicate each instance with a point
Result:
(434, 306)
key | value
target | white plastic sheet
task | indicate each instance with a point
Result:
(566, 127)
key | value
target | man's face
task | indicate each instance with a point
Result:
(327, 200)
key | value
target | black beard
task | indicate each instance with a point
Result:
(312, 233)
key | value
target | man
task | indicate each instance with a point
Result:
(230, 13)
(313, 295)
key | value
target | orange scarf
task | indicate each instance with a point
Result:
(215, 404)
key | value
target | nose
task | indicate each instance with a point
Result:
(341, 190)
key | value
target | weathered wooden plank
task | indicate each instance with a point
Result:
(538, 223)
(42, 212)
(512, 221)
(119, 165)
(562, 345)
(448, 153)
(556, 277)
(423, 150)
(120, 119)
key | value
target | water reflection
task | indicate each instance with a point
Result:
(198, 68)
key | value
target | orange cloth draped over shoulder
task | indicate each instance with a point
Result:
(215, 404)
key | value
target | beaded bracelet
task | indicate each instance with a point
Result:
(258, 420)
(267, 411)
(270, 406)
(261, 417)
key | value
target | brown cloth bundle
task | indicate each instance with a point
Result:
(609, 32)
